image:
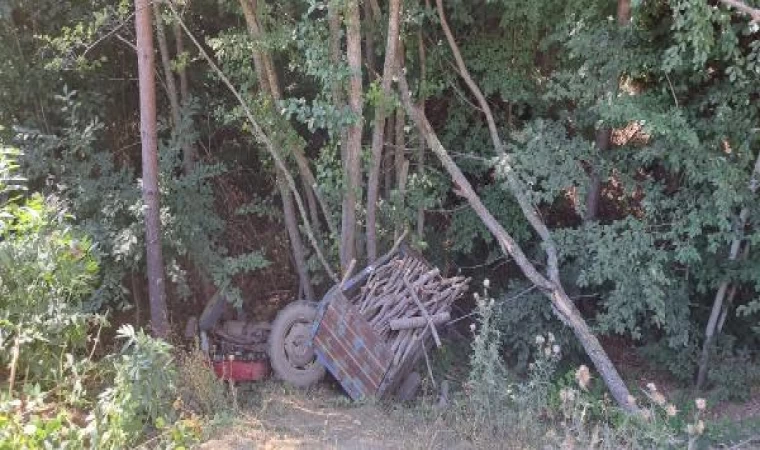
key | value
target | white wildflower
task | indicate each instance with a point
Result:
(658, 398)
(583, 377)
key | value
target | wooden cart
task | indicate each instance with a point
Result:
(353, 350)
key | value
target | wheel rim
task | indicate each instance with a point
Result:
(298, 349)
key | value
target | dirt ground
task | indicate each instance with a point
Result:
(325, 419)
(274, 416)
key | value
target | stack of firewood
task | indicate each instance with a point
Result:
(405, 297)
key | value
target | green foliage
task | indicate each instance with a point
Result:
(144, 383)
(521, 314)
(548, 162)
(107, 204)
(488, 375)
(28, 424)
(47, 271)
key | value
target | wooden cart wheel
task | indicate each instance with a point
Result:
(290, 352)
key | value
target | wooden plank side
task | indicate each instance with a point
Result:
(337, 340)
(335, 358)
(362, 336)
(354, 347)
(350, 349)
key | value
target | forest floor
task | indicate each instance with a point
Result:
(275, 417)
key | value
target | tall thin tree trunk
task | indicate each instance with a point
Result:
(189, 152)
(602, 142)
(146, 75)
(352, 162)
(270, 84)
(370, 21)
(715, 322)
(163, 50)
(266, 142)
(720, 296)
(378, 130)
(296, 243)
(184, 89)
(421, 149)
(388, 156)
(401, 164)
(603, 137)
(336, 90)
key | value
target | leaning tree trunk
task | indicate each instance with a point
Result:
(266, 142)
(552, 288)
(352, 161)
(269, 86)
(378, 131)
(146, 66)
(551, 284)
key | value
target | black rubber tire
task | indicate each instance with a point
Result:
(298, 311)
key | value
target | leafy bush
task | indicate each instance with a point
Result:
(106, 201)
(30, 423)
(143, 391)
(48, 268)
(567, 412)
(141, 405)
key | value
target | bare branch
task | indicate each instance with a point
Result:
(754, 13)
(526, 206)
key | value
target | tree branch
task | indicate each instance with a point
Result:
(754, 13)
(514, 185)
(259, 134)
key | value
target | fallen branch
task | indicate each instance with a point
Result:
(551, 287)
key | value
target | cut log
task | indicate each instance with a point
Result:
(418, 322)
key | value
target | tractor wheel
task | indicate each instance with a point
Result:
(290, 352)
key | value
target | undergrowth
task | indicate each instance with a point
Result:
(548, 409)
